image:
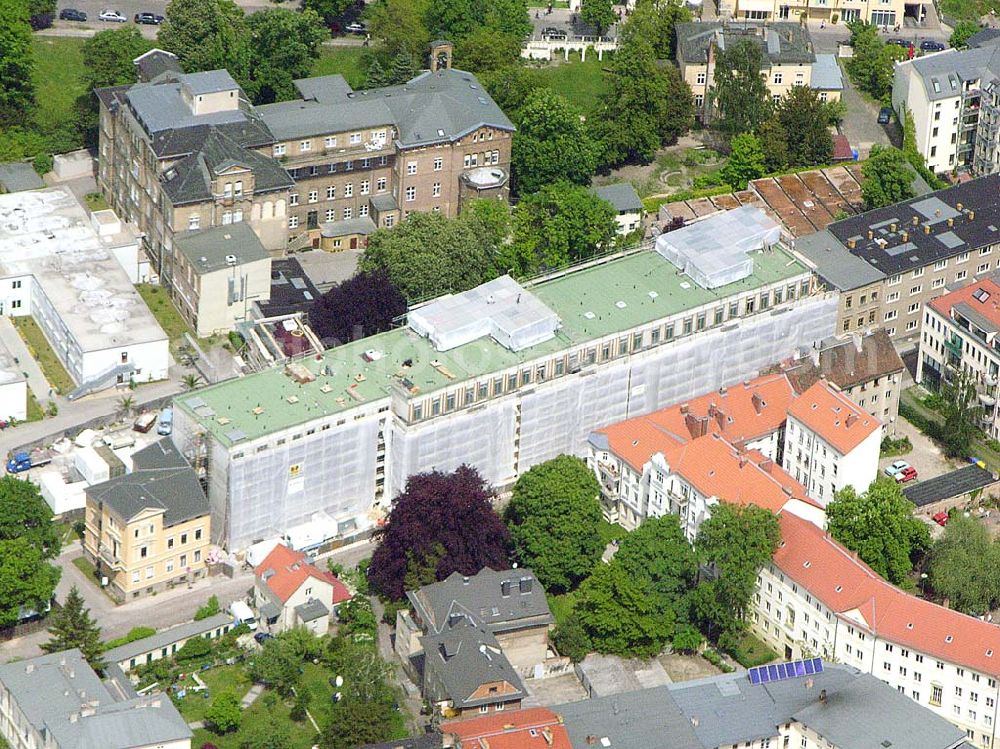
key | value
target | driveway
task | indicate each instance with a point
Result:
(926, 457)
(861, 121)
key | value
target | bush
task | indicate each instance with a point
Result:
(211, 608)
(136, 633)
(891, 447)
(223, 715)
(42, 163)
(194, 649)
(571, 639)
(357, 616)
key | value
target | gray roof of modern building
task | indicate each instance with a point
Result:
(433, 107)
(826, 74)
(464, 657)
(360, 225)
(945, 73)
(501, 601)
(175, 489)
(621, 195)
(312, 610)
(209, 82)
(834, 263)
(167, 637)
(16, 176)
(984, 37)
(210, 250)
(782, 43)
(191, 179)
(925, 229)
(61, 695)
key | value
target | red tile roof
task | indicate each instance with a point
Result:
(831, 573)
(833, 416)
(289, 569)
(741, 413)
(511, 730)
(988, 307)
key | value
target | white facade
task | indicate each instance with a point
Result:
(825, 470)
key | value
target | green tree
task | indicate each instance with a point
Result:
(264, 734)
(620, 616)
(450, 19)
(27, 580)
(328, 10)
(402, 68)
(963, 566)
(427, 255)
(510, 88)
(871, 66)
(211, 608)
(646, 105)
(571, 639)
(487, 49)
(376, 76)
(398, 26)
(736, 541)
(355, 722)
(961, 33)
(107, 61)
(285, 44)
(598, 13)
(223, 715)
(745, 163)
(961, 413)
(888, 177)
(774, 140)
(554, 517)
(17, 64)
(687, 639)
(880, 526)
(805, 120)
(739, 94)
(508, 17)
(559, 224)
(277, 666)
(25, 515)
(206, 35)
(654, 21)
(551, 144)
(72, 627)
(658, 553)
(367, 677)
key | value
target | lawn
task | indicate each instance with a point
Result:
(34, 410)
(750, 651)
(164, 310)
(58, 82)
(232, 678)
(86, 567)
(95, 201)
(42, 353)
(582, 83)
(611, 531)
(344, 60)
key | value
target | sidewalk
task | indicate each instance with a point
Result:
(12, 341)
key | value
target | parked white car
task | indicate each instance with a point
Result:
(112, 16)
(895, 469)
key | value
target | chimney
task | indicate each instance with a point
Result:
(927, 228)
(958, 206)
(591, 740)
(822, 696)
(746, 384)
(767, 465)
(915, 220)
(29, 668)
(972, 215)
(814, 355)
(892, 226)
(851, 419)
(696, 426)
(546, 734)
(851, 244)
(505, 588)
(758, 402)
(858, 340)
(905, 236)
(951, 222)
(722, 390)
(871, 234)
(74, 717)
(684, 408)
(743, 460)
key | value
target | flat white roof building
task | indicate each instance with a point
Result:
(64, 271)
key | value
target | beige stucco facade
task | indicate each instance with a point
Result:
(878, 12)
(205, 300)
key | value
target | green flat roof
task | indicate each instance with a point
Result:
(227, 409)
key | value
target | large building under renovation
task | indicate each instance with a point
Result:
(501, 377)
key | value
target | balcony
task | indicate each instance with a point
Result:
(954, 345)
(108, 557)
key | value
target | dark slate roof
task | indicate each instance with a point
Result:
(482, 598)
(16, 176)
(949, 485)
(431, 108)
(464, 657)
(175, 489)
(843, 363)
(323, 88)
(166, 637)
(51, 688)
(360, 225)
(190, 179)
(160, 454)
(311, 610)
(209, 82)
(984, 37)
(887, 251)
(291, 289)
(426, 741)
(207, 249)
(621, 195)
(154, 63)
(780, 42)
(645, 719)
(943, 74)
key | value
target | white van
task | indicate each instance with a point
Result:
(242, 614)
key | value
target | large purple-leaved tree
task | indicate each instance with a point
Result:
(363, 305)
(441, 523)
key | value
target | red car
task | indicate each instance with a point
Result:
(907, 474)
(941, 518)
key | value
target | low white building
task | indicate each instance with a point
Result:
(830, 442)
(58, 268)
(817, 598)
(13, 388)
(626, 202)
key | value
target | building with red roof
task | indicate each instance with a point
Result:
(960, 332)
(290, 591)
(817, 598)
(531, 728)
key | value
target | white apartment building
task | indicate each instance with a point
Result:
(960, 334)
(501, 377)
(684, 459)
(817, 599)
(831, 443)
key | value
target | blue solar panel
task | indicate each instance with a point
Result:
(782, 671)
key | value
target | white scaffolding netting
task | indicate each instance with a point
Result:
(715, 251)
(501, 308)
